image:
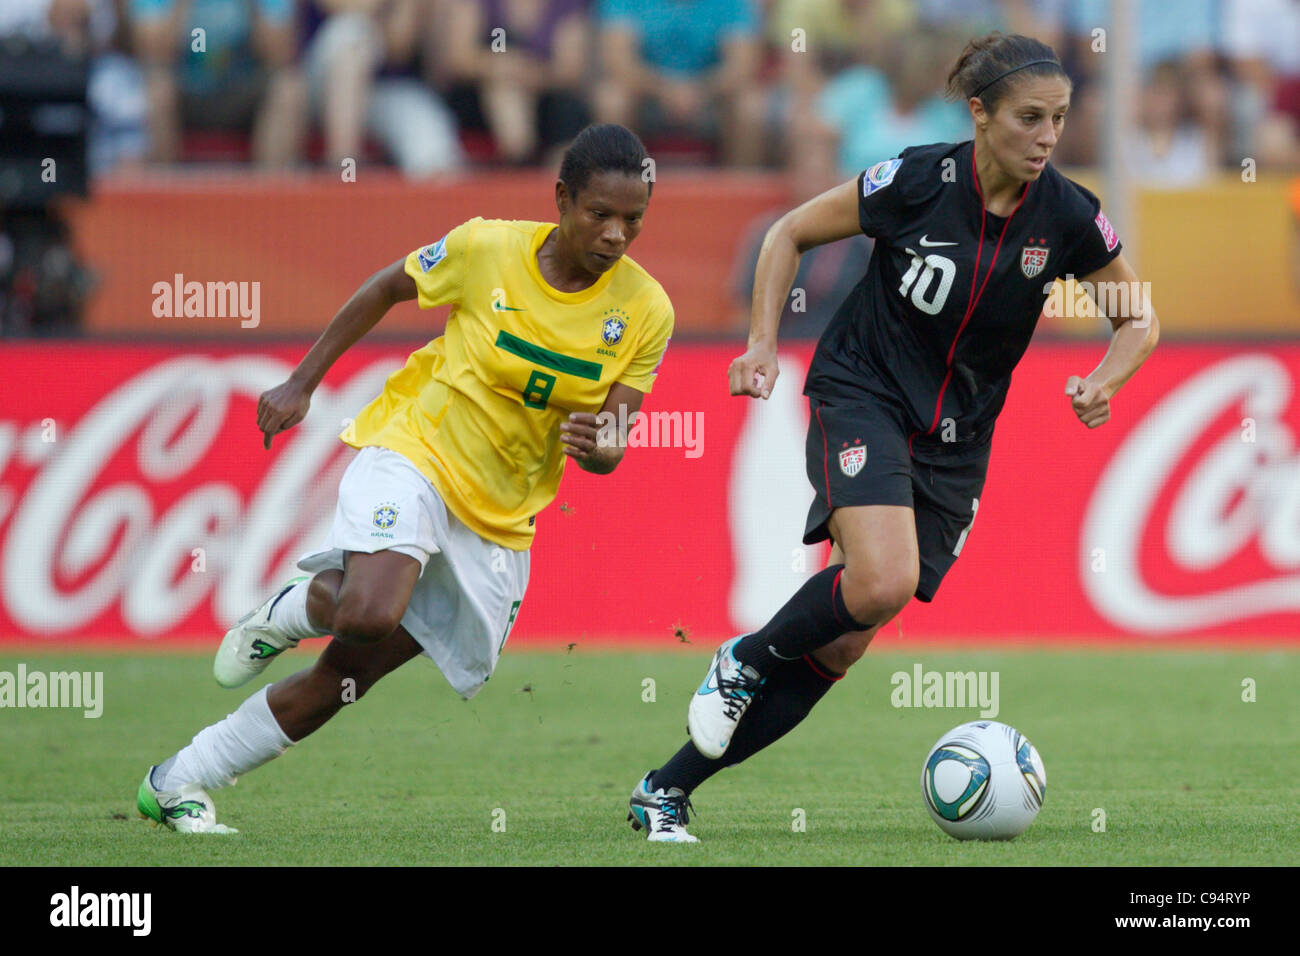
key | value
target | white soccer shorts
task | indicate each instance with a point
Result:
(470, 589)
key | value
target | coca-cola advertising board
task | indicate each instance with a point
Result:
(137, 503)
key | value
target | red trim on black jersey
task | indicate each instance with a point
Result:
(975, 295)
(826, 455)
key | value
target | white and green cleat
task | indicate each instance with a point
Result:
(187, 810)
(249, 647)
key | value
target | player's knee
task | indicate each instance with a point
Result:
(363, 622)
(874, 599)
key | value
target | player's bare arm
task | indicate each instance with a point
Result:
(584, 434)
(284, 406)
(1135, 335)
(826, 218)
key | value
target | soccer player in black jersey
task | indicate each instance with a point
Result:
(905, 388)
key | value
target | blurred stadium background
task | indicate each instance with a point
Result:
(293, 147)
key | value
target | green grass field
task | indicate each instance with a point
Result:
(1186, 772)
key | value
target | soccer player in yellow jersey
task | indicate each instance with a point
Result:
(550, 326)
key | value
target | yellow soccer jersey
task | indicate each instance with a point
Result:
(479, 409)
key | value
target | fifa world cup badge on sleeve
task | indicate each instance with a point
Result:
(430, 256)
(879, 176)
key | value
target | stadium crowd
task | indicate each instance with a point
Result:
(819, 87)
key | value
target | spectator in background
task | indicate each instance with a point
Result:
(684, 65)
(361, 70)
(815, 39)
(1041, 19)
(238, 73)
(1187, 32)
(1262, 41)
(812, 41)
(86, 29)
(867, 115)
(518, 69)
(1171, 148)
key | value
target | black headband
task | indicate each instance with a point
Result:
(1014, 69)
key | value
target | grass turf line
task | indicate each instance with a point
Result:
(1186, 772)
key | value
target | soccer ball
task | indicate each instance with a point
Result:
(983, 781)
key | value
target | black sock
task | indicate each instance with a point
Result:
(814, 617)
(791, 691)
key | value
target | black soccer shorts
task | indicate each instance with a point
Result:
(858, 455)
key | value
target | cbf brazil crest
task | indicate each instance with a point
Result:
(612, 327)
(385, 516)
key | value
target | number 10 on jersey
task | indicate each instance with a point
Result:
(919, 287)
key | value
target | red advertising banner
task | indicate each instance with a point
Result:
(137, 503)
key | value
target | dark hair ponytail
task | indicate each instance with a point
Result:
(607, 147)
(988, 66)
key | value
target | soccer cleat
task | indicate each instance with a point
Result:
(716, 708)
(664, 814)
(250, 646)
(187, 810)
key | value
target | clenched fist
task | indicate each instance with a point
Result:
(754, 373)
(1089, 400)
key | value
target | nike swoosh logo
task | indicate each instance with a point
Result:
(925, 242)
(498, 307)
(710, 685)
(780, 657)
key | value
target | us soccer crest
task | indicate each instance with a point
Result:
(1032, 260)
(852, 459)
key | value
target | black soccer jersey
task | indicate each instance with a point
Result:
(951, 294)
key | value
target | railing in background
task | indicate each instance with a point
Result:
(1219, 258)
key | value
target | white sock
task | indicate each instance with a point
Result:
(218, 754)
(290, 613)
